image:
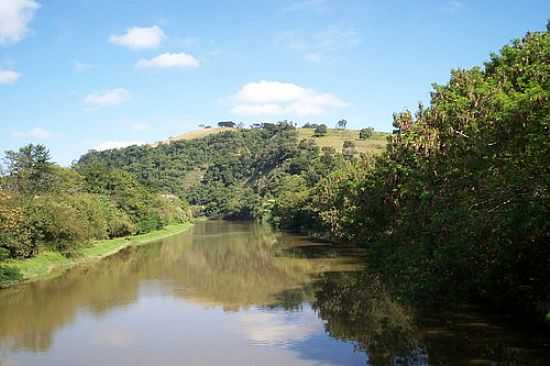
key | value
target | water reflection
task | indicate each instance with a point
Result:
(234, 294)
(356, 308)
(217, 269)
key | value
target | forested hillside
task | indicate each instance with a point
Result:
(236, 173)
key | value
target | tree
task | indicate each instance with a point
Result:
(321, 130)
(342, 124)
(366, 133)
(227, 124)
(29, 170)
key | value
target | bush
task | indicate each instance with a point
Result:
(171, 209)
(56, 223)
(320, 130)
(15, 233)
(366, 133)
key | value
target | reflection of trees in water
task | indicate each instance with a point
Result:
(356, 308)
(239, 270)
(29, 315)
(228, 264)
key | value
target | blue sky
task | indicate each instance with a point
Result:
(83, 74)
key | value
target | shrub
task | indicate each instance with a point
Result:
(15, 234)
(366, 133)
(320, 130)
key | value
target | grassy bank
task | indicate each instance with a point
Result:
(50, 264)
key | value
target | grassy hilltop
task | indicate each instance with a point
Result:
(334, 137)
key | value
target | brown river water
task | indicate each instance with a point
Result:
(228, 293)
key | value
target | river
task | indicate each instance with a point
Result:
(228, 293)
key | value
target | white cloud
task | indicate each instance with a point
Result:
(14, 18)
(116, 144)
(33, 134)
(8, 76)
(275, 98)
(327, 43)
(139, 38)
(107, 98)
(269, 91)
(169, 60)
(82, 67)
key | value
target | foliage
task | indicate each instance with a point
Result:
(45, 205)
(366, 133)
(342, 124)
(458, 205)
(15, 234)
(29, 169)
(321, 130)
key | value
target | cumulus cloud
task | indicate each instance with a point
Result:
(33, 134)
(116, 144)
(279, 98)
(14, 18)
(180, 60)
(139, 37)
(8, 76)
(107, 98)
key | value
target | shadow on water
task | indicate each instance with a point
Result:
(285, 291)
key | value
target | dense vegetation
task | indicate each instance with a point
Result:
(46, 206)
(456, 207)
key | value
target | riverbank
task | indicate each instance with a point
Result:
(50, 264)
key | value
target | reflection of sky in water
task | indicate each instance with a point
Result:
(279, 328)
(165, 330)
(299, 331)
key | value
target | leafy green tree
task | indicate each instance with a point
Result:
(342, 124)
(29, 170)
(320, 130)
(366, 133)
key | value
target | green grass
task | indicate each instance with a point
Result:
(336, 137)
(50, 264)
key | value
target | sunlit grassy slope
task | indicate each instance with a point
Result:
(334, 138)
(197, 134)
